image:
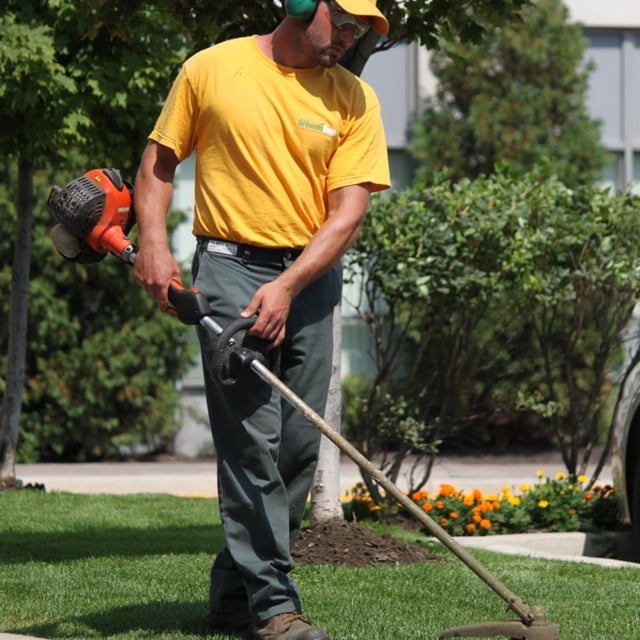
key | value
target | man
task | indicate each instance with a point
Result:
(289, 147)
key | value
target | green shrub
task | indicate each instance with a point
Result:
(495, 306)
(102, 362)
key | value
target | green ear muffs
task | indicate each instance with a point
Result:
(302, 10)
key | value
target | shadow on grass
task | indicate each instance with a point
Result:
(145, 620)
(62, 546)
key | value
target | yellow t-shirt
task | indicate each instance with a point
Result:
(270, 142)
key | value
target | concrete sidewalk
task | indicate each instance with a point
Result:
(487, 473)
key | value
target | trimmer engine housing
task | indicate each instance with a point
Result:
(96, 209)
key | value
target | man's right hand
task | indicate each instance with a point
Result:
(154, 269)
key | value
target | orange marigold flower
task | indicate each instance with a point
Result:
(416, 496)
(427, 506)
(477, 518)
(444, 522)
(588, 496)
(485, 524)
(470, 527)
(447, 490)
(453, 515)
(477, 495)
(467, 500)
(439, 504)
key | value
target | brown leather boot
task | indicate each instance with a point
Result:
(288, 626)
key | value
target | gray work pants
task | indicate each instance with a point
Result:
(266, 451)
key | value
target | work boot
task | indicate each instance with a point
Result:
(229, 622)
(288, 626)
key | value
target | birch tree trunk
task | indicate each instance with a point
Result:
(325, 493)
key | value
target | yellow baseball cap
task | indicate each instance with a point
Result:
(368, 9)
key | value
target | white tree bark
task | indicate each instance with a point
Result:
(325, 493)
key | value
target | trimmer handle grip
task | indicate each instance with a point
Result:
(188, 304)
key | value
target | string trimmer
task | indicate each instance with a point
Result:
(95, 213)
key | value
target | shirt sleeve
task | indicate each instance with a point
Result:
(177, 123)
(362, 153)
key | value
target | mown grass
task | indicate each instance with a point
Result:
(137, 566)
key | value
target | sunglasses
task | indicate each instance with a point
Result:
(344, 21)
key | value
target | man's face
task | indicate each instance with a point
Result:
(332, 32)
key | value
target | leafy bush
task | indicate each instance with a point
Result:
(102, 363)
(491, 302)
(551, 504)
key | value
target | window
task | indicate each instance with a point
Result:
(614, 98)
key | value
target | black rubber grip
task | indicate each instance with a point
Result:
(188, 304)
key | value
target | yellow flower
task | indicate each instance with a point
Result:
(560, 476)
(540, 473)
(583, 479)
(514, 501)
(506, 490)
(543, 504)
(525, 487)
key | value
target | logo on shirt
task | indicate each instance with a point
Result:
(320, 127)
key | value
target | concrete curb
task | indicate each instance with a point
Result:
(610, 549)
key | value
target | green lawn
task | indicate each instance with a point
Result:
(77, 566)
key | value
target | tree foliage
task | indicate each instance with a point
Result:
(80, 87)
(517, 96)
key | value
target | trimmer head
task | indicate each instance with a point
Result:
(537, 628)
(97, 210)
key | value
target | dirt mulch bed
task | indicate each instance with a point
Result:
(348, 544)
